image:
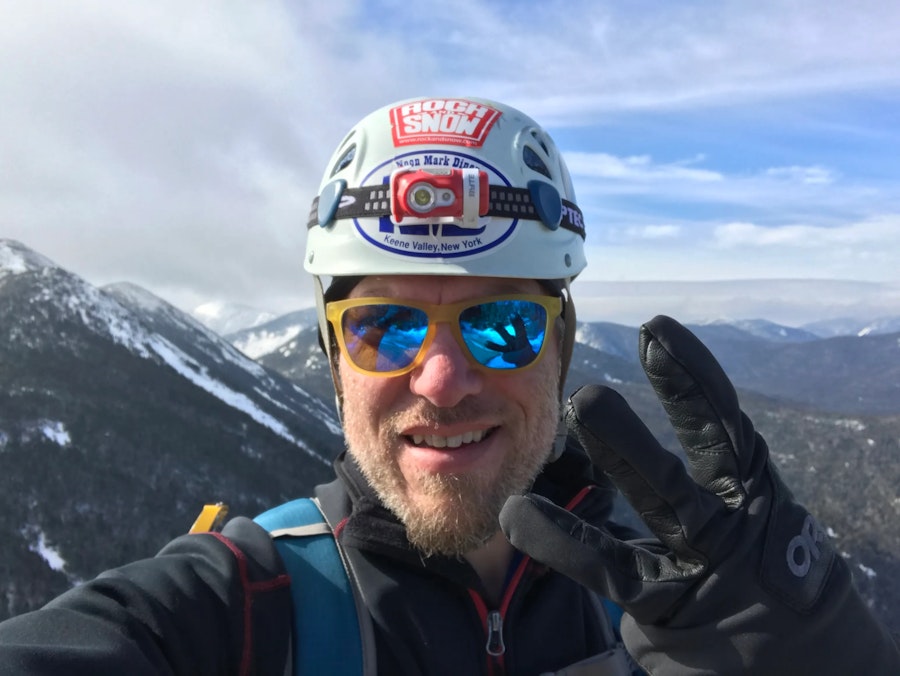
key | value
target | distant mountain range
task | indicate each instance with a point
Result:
(224, 318)
(857, 371)
(121, 415)
(826, 307)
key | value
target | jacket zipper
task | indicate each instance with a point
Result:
(492, 620)
(492, 623)
(495, 646)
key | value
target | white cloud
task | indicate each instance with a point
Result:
(878, 234)
(603, 57)
(180, 155)
(636, 168)
(864, 250)
(808, 175)
(653, 232)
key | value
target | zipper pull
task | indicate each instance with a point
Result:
(495, 646)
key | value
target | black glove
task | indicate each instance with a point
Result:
(515, 348)
(742, 579)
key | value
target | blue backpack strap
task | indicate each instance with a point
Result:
(615, 613)
(327, 619)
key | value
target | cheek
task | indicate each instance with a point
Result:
(540, 395)
(366, 399)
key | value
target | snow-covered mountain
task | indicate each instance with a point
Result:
(224, 318)
(274, 334)
(790, 302)
(120, 416)
(770, 331)
(831, 328)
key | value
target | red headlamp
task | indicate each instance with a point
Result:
(439, 195)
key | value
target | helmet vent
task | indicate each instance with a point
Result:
(537, 137)
(345, 161)
(533, 160)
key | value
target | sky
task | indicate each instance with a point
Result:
(178, 145)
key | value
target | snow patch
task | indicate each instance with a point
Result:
(187, 367)
(848, 423)
(868, 572)
(264, 342)
(11, 262)
(16, 259)
(39, 546)
(853, 425)
(224, 318)
(56, 432)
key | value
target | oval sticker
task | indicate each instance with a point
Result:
(433, 241)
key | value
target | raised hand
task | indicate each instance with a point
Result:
(740, 577)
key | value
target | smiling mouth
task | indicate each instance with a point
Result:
(437, 441)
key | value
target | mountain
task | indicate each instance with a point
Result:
(845, 326)
(120, 417)
(790, 302)
(845, 374)
(224, 318)
(770, 331)
(273, 334)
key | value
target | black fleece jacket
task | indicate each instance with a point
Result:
(219, 603)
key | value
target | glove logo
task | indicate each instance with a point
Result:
(803, 549)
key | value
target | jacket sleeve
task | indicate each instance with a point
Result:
(206, 604)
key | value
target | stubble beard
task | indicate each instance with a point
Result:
(452, 514)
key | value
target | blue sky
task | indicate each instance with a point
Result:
(178, 145)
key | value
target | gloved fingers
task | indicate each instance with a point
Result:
(640, 580)
(703, 408)
(654, 480)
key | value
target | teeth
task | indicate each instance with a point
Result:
(436, 441)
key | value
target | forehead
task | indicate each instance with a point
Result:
(441, 288)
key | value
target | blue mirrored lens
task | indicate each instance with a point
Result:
(504, 334)
(383, 337)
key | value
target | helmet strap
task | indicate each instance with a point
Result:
(327, 345)
(567, 347)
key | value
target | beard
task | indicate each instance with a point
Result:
(452, 513)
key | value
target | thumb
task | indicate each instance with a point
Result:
(591, 556)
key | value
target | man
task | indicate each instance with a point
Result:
(442, 242)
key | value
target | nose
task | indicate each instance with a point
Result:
(445, 376)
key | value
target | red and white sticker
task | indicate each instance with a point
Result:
(445, 121)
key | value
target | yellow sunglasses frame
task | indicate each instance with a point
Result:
(443, 313)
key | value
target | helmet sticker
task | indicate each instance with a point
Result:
(434, 240)
(444, 121)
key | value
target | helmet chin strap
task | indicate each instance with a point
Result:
(565, 358)
(328, 345)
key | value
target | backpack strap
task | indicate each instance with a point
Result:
(332, 629)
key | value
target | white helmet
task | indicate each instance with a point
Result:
(434, 186)
(446, 187)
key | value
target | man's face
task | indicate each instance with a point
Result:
(445, 444)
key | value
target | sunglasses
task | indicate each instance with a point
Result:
(387, 337)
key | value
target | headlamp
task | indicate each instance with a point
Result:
(439, 196)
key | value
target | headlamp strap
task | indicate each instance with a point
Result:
(504, 202)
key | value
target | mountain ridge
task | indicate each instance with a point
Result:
(117, 423)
